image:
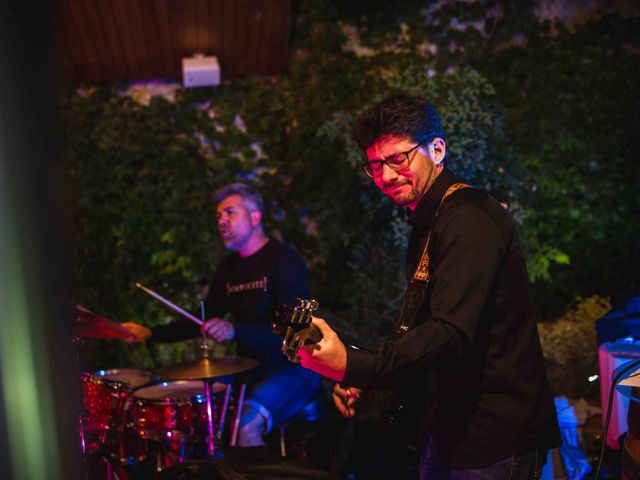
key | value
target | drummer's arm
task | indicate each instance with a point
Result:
(139, 332)
(175, 331)
(183, 329)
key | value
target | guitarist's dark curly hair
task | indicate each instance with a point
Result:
(401, 116)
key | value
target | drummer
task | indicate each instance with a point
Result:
(259, 274)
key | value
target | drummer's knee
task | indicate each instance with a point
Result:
(252, 426)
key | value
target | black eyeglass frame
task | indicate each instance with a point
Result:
(367, 165)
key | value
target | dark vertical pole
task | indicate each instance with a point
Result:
(38, 379)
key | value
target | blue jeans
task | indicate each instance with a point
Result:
(526, 466)
(281, 393)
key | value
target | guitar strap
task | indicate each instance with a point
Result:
(416, 293)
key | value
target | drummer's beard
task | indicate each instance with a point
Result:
(236, 240)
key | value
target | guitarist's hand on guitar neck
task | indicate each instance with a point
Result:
(345, 399)
(328, 357)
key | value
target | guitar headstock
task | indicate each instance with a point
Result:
(293, 324)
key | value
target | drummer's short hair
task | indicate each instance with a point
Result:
(247, 193)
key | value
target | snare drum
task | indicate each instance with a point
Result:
(103, 396)
(173, 409)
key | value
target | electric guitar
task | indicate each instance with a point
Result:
(293, 324)
(400, 410)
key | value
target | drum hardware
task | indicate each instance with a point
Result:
(83, 445)
(210, 438)
(206, 368)
(236, 423)
(223, 413)
(120, 426)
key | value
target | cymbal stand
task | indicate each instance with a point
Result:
(223, 413)
(210, 442)
(236, 423)
(211, 449)
(83, 446)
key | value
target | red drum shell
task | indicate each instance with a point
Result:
(103, 395)
(172, 409)
(162, 418)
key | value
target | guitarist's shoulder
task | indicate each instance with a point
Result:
(474, 211)
(474, 198)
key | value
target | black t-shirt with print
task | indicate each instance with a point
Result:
(250, 288)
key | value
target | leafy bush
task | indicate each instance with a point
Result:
(570, 348)
(542, 119)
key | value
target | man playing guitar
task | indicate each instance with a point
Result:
(466, 332)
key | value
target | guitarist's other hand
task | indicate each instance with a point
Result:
(345, 399)
(328, 357)
(218, 329)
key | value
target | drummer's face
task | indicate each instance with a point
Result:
(235, 222)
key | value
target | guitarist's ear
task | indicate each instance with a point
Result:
(256, 218)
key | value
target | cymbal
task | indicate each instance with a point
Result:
(90, 324)
(207, 368)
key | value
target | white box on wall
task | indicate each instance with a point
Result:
(200, 71)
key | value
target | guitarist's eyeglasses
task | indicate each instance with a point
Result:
(396, 162)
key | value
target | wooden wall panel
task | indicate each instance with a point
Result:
(108, 40)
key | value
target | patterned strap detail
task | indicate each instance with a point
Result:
(422, 271)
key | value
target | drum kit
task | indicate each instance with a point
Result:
(132, 417)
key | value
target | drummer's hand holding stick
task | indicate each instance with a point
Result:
(219, 329)
(139, 332)
(328, 357)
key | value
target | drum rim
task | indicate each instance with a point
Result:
(189, 398)
(100, 377)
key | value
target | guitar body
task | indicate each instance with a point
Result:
(405, 413)
(410, 400)
(401, 409)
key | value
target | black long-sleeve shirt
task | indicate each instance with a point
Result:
(251, 289)
(476, 336)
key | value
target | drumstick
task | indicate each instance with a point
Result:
(172, 306)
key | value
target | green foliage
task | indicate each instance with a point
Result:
(570, 348)
(546, 124)
(142, 180)
(571, 109)
(568, 103)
